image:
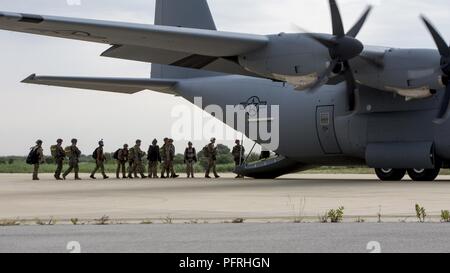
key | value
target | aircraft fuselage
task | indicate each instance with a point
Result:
(315, 128)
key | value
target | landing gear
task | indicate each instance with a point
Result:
(424, 174)
(390, 174)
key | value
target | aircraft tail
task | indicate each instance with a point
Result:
(182, 13)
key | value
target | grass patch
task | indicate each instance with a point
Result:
(167, 220)
(104, 220)
(421, 213)
(238, 221)
(333, 215)
(445, 216)
(8, 223)
(87, 167)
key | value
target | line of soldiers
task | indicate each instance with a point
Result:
(134, 157)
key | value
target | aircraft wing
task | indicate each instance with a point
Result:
(188, 40)
(116, 85)
(180, 59)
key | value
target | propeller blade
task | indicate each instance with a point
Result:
(351, 86)
(327, 42)
(338, 26)
(442, 46)
(445, 104)
(357, 27)
(323, 78)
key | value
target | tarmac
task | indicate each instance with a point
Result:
(229, 238)
(295, 197)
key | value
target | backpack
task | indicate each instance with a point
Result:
(116, 154)
(53, 150)
(131, 155)
(94, 154)
(33, 157)
(68, 151)
(206, 151)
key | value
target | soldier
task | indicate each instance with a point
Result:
(122, 159)
(59, 155)
(190, 158)
(130, 162)
(211, 154)
(238, 155)
(164, 158)
(100, 159)
(154, 156)
(36, 158)
(74, 157)
(170, 157)
(137, 164)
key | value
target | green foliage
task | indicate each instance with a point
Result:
(6, 223)
(223, 155)
(238, 221)
(223, 149)
(87, 165)
(421, 213)
(104, 220)
(253, 157)
(334, 216)
(445, 216)
(179, 159)
(168, 220)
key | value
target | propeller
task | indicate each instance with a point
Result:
(342, 47)
(444, 50)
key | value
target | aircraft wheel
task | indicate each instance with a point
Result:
(424, 175)
(390, 174)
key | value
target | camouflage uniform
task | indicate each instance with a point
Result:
(238, 156)
(190, 158)
(99, 163)
(60, 155)
(74, 158)
(212, 157)
(154, 157)
(137, 165)
(40, 159)
(170, 157)
(164, 159)
(122, 159)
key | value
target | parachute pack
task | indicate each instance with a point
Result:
(68, 151)
(33, 157)
(53, 150)
(94, 154)
(116, 154)
(206, 151)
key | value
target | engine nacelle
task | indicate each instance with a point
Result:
(412, 73)
(292, 58)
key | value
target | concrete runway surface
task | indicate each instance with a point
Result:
(220, 200)
(229, 238)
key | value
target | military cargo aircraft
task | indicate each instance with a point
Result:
(341, 102)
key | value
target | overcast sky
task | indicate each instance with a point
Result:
(29, 112)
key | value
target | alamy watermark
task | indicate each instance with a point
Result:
(254, 117)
